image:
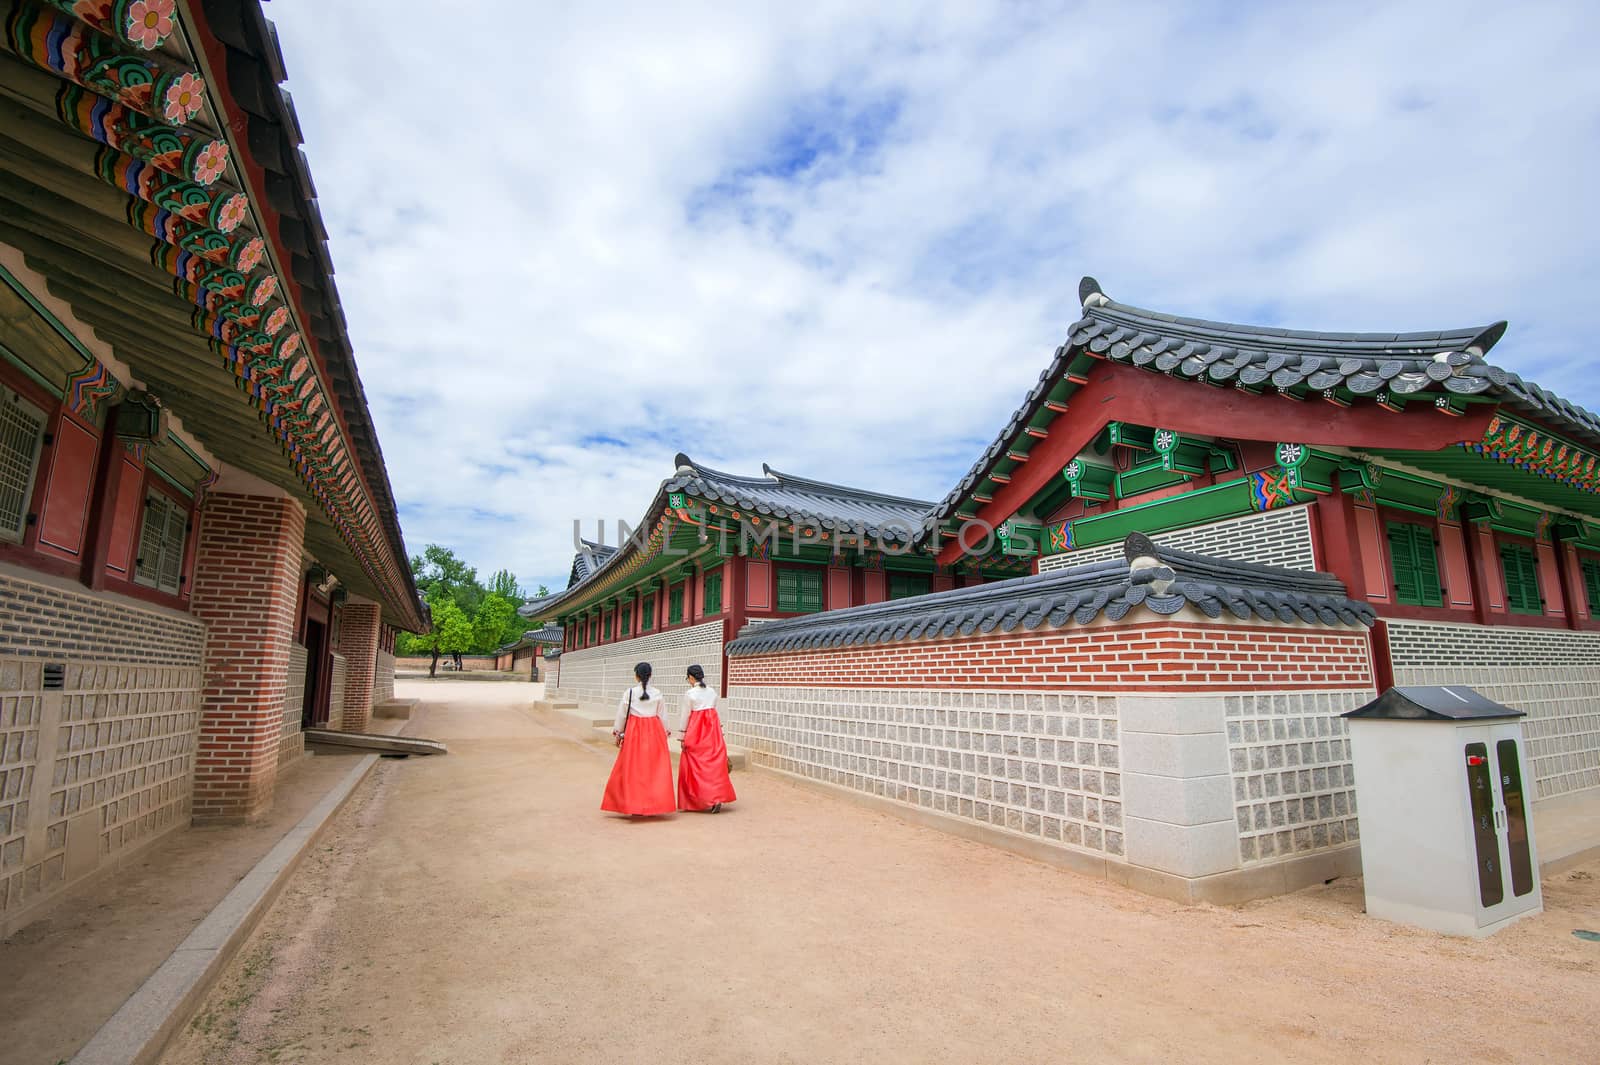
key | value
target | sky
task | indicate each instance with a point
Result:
(844, 239)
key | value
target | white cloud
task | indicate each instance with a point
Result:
(844, 238)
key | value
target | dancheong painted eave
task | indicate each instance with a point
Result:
(1444, 370)
(150, 162)
(834, 510)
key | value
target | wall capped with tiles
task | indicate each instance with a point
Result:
(1204, 758)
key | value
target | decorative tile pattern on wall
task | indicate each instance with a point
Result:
(1041, 765)
(292, 743)
(598, 676)
(1273, 538)
(1293, 784)
(39, 620)
(1551, 674)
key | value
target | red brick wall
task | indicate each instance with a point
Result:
(246, 583)
(358, 642)
(1162, 656)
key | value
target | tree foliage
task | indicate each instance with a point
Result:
(467, 616)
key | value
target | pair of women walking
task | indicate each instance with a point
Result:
(641, 779)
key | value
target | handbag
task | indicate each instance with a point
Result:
(626, 717)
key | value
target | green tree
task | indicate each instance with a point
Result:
(438, 570)
(504, 584)
(495, 624)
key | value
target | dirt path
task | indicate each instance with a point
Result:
(479, 908)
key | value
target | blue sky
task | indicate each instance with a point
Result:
(844, 239)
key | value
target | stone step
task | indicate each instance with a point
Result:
(395, 708)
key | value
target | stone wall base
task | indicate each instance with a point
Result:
(1223, 889)
(19, 917)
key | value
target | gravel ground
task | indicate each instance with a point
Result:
(479, 908)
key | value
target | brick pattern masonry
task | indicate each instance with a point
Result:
(105, 762)
(1045, 766)
(1025, 733)
(1276, 538)
(1161, 656)
(246, 584)
(359, 625)
(1552, 675)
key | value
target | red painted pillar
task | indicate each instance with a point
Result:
(1338, 549)
(246, 587)
(1484, 572)
(737, 611)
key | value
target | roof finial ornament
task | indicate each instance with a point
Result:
(1089, 293)
(1145, 565)
(683, 463)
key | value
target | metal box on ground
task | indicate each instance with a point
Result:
(1446, 821)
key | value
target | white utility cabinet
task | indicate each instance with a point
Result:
(1446, 810)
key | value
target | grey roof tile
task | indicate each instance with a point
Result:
(1076, 595)
(1447, 361)
(783, 495)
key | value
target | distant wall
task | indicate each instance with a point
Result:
(598, 676)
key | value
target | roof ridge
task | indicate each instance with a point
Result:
(860, 493)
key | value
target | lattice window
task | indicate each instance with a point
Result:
(647, 616)
(161, 541)
(905, 585)
(21, 437)
(1591, 583)
(1414, 564)
(799, 591)
(625, 619)
(1522, 579)
(675, 605)
(713, 593)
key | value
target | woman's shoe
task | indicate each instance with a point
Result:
(716, 807)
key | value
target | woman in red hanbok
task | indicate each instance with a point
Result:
(703, 782)
(641, 779)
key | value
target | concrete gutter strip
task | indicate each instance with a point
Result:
(138, 1032)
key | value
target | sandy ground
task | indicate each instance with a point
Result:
(103, 940)
(479, 908)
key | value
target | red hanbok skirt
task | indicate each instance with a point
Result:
(641, 778)
(703, 766)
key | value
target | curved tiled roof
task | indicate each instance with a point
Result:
(782, 495)
(1076, 595)
(774, 494)
(1351, 365)
(588, 561)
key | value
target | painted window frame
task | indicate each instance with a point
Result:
(712, 580)
(1589, 574)
(675, 598)
(1422, 540)
(925, 579)
(1516, 591)
(797, 603)
(23, 401)
(647, 614)
(154, 486)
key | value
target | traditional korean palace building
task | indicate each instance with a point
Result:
(199, 550)
(1343, 511)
